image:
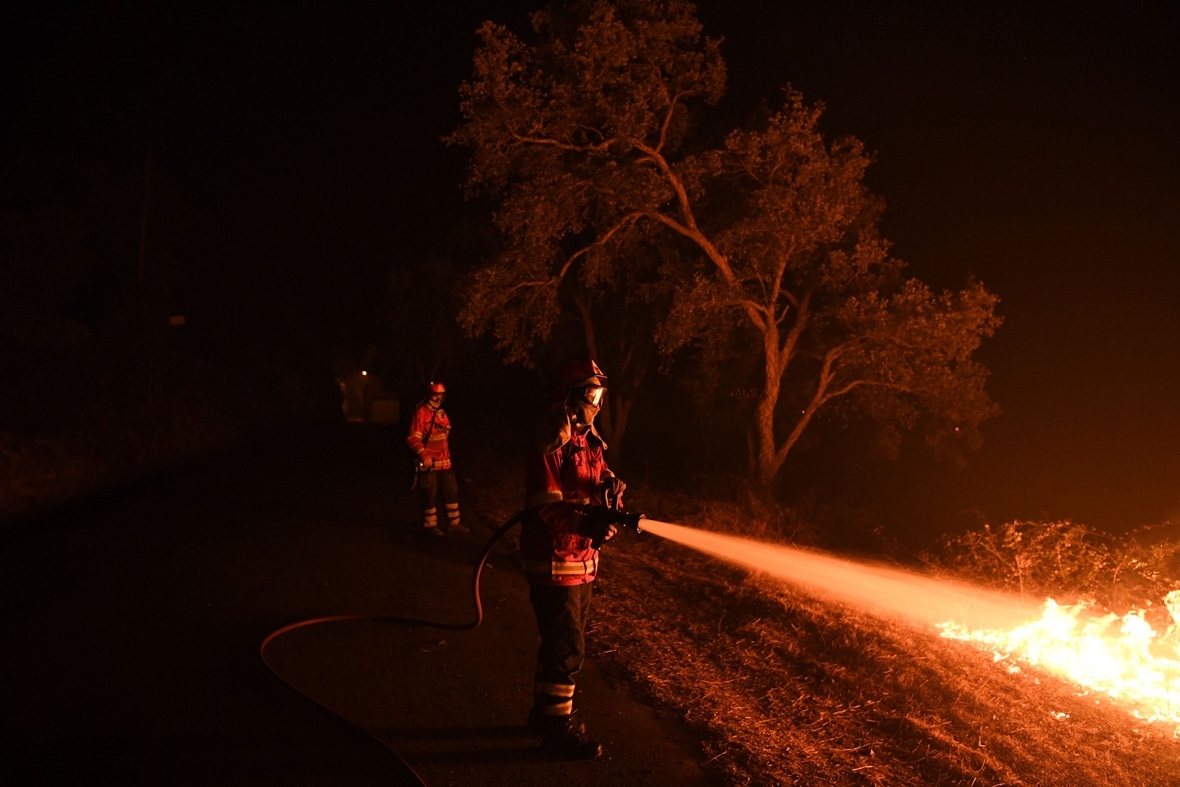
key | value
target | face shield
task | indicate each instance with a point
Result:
(586, 401)
(592, 395)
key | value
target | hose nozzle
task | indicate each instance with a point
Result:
(600, 520)
(631, 520)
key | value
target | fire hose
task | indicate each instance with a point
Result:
(603, 518)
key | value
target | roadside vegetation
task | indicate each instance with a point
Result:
(1067, 560)
(79, 419)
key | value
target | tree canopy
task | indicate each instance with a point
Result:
(587, 140)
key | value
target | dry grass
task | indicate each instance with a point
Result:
(789, 689)
(785, 689)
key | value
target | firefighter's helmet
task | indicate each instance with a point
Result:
(576, 374)
(437, 388)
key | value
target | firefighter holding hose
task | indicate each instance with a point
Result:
(572, 505)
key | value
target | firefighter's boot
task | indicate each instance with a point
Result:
(567, 738)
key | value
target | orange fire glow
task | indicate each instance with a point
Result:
(1123, 658)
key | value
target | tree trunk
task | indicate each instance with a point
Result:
(768, 464)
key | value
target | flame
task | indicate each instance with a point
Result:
(1124, 657)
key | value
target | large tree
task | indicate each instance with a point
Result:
(585, 139)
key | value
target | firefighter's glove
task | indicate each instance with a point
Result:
(599, 525)
(425, 462)
(612, 492)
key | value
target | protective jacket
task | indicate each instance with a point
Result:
(564, 474)
(429, 430)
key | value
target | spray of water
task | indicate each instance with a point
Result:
(882, 589)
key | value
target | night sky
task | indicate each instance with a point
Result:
(1035, 149)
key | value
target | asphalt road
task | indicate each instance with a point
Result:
(132, 623)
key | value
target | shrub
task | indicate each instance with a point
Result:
(1065, 560)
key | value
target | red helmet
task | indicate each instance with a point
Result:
(437, 388)
(574, 374)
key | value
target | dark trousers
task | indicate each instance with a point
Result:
(433, 484)
(562, 613)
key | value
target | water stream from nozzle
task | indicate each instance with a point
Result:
(888, 590)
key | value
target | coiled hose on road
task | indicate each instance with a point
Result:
(407, 770)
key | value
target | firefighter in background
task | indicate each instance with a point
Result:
(430, 429)
(569, 489)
